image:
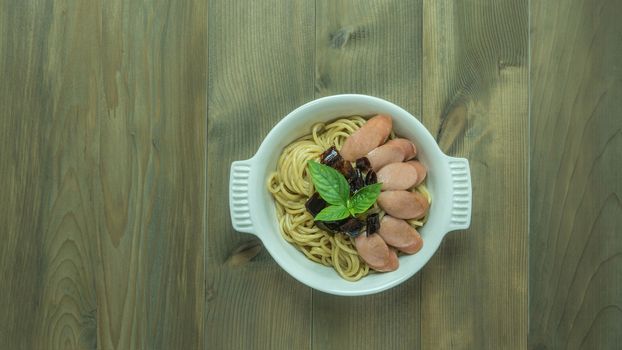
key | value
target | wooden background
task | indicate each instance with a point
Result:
(119, 120)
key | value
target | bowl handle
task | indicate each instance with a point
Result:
(461, 195)
(239, 203)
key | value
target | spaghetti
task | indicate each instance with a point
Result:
(291, 187)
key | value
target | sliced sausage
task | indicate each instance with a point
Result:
(403, 204)
(409, 149)
(373, 250)
(393, 263)
(397, 176)
(385, 154)
(371, 135)
(421, 171)
(399, 234)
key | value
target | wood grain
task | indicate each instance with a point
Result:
(104, 124)
(102, 162)
(261, 68)
(475, 100)
(576, 176)
(371, 48)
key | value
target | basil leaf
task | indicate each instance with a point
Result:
(364, 198)
(333, 213)
(329, 183)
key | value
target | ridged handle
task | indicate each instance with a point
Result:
(239, 196)
(461, 195)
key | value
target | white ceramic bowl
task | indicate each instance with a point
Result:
(252, 206)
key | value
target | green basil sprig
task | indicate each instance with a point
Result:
(364, 198)
(334, 189)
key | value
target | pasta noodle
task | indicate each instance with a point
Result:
(291, 187)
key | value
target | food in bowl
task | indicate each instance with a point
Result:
(351, 195)
(253, 211)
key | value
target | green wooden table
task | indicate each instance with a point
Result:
(119, 120)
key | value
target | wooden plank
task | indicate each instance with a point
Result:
(370, 48)
(261, 68)
(102, 163)
(22, 173)
(475, 100)
(576, 214)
